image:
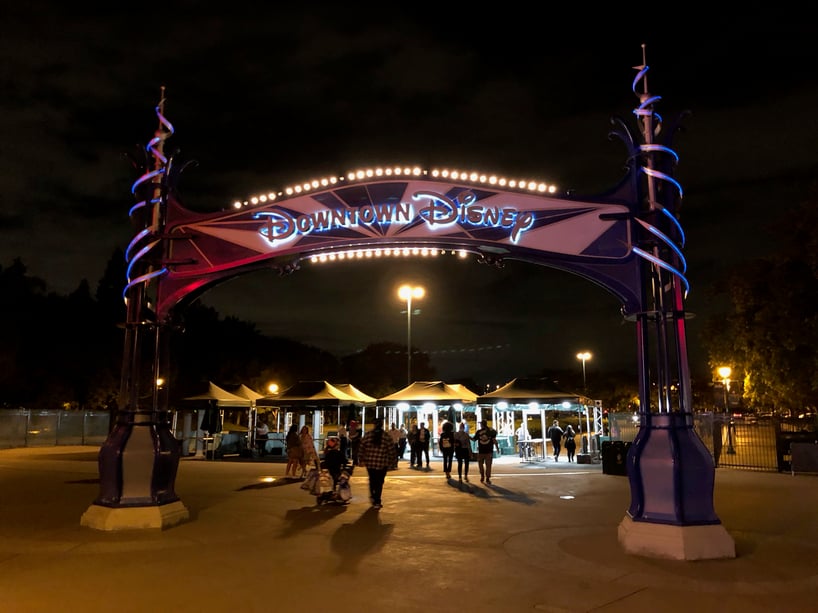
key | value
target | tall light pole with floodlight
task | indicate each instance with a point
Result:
(584, 356)
(407, 293)
(724, 373)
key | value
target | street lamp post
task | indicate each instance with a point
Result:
(407, 292)
(724, 373)
(584, 356)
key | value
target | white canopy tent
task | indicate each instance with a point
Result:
(211, 426)
(531, 398)
(307, 398)
(425, 400)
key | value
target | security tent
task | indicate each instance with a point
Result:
(428, 402)
(211, 427)
(311, 399)
(530, 398)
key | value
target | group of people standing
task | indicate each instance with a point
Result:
(458, 445)
(301, 452)
(419, 440)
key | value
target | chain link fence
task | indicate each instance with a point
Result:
(746, 443)
(30, 428)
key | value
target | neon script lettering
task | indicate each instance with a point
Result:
(440, 211)
(464, 210)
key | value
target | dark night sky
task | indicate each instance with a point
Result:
(266, 97)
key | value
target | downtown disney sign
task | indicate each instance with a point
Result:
(367, 215)
(436, 211)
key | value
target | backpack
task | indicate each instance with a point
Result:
(446, 443)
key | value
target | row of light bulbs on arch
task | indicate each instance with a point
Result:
(400, 171)
(357, 254)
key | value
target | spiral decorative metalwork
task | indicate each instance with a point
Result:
(648, 148)
(147, 238)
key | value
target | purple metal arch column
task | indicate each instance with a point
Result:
(139, 459)
(671, 472)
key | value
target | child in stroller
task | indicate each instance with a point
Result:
(333, 483)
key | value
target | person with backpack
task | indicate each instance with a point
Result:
(446, 444)
(462, 450)
(486, 443)
(424, 440)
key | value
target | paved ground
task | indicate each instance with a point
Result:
(543, 537)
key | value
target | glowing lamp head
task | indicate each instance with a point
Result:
(405, 292)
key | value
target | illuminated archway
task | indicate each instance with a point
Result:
(372, 211)
(628, 241)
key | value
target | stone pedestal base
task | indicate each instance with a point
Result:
(134, 518)
(709, 542)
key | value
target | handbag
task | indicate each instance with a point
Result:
(312, 478)
(322, 484)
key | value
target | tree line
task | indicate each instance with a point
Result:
(65, 351)
(769, 332)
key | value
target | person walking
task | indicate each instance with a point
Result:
(404, 435)
(344, 438)
(523, 441)
(424, 440)
(446, 441)
(395, 434)
(462, 451)
(354, 435)
(377, 454)
(262, 433)
(555, 434)
(334, 459)
(486, 443)
(414, 448)
(310, 456)
(295, 453)
(570, 442)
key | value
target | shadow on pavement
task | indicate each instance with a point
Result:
(364, 537)
(510, 495)
(306, 518)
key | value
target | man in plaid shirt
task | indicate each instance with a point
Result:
(378, 455)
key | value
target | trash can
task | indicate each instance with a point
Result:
(614, 456)
(783, 442)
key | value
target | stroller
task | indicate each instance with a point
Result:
(328, 492)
